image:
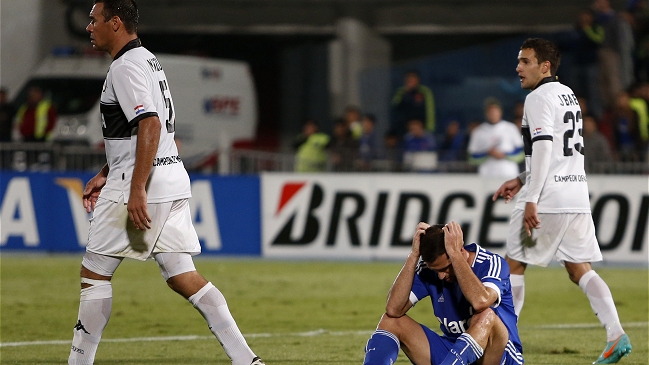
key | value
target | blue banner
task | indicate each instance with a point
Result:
(44, 212)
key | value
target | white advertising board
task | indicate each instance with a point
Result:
(373, 216)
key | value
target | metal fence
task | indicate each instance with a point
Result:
(44, 157)
(54, 157)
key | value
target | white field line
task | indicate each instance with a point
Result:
(319, 332)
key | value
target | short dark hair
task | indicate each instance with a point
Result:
(431, 243)
(545, 50)
(126, 10)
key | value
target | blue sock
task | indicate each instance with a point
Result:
(382, 349)
(465, 351)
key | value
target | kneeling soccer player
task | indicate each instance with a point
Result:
(471, 296)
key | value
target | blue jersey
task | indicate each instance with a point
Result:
(452, 309)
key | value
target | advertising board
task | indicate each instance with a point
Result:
(44, 212)
(373, 216)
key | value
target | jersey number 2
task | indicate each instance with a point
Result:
(170, 122)
(570, 117)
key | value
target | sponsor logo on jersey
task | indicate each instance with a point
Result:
(454, 326)
(139, 109)
(570, 178)
(537, 131)
(167, 160)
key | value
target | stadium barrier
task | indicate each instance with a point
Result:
(44, 212)
(45, 157)
(314, 216)
(353, 216)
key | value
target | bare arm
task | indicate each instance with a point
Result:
(93, 188)
(508, 189)
(480, 296)
(399, 295)
(148, 137)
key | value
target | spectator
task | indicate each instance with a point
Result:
(589, 36)
(603, 125)
(610, 73)
(392, 153)
(36, 118)
(369, 143)
(7, 113)
(413, 101)
(311, 146)
(418, 138)
(597, 150)
(453, 147)
(344, 149)
(627, 49)
(496, 145)
(624, 120)
(640, 14)
(353, 120)
(419, 147)
(638, 103)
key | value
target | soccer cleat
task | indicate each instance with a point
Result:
(615, 350)
(257, 361)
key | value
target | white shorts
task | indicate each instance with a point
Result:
(113, 234)
(567, 236)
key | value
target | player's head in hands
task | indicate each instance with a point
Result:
(433, 252)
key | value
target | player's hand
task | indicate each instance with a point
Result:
(92, 190)
(416, 239)
(137, 210)
(508, 189)
(453, 238)
(531, 219)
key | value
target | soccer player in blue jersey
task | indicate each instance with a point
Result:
(471, 297)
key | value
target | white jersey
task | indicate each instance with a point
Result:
(136, 88)
(504, 136)
(552, 113)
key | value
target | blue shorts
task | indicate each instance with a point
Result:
(441, 345)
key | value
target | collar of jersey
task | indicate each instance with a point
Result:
(129, 46)
(546, 80)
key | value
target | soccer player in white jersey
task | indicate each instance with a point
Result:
(471, 298)
(139, 199)
(496, 145)
(552, 217)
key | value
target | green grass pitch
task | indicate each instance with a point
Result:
(292, 312)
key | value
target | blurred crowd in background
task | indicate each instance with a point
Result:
(609, 53)
(610, 77)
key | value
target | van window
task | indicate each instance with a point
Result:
(68, 95)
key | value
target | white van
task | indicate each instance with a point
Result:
(215, 100)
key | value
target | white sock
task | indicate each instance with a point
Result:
(601, 300)
(518, 292)
(212, 305)
(94, 312)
